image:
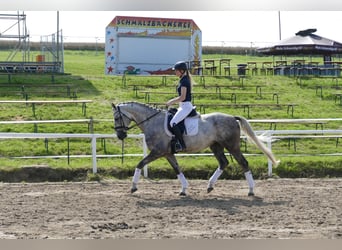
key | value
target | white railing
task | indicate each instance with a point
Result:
(93, 138)
(267, 136)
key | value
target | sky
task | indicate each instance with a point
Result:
(219, 28)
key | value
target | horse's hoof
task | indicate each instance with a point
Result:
(182, 194)
(209, 189)
(133, 190)
(250, 194)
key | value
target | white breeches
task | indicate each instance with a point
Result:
(184, 109)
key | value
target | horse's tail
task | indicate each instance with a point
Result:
(248, 131)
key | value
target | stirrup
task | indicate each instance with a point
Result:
(179, 147)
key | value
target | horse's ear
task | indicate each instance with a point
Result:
(113, 106)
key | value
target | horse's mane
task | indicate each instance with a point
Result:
(141, 104)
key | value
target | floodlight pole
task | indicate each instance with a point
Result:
(279, 25)
(57, 37)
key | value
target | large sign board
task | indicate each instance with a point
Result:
(141, 45)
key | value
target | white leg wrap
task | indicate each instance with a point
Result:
(136, 176)
(250, 180)
(215, 176)
(182, 179)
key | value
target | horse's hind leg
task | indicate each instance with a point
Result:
(236, 152)
(218, 151)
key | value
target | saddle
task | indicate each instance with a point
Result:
(170, 114)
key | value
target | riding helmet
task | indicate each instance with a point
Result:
(181, 65)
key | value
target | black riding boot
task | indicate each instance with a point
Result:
(180, 144)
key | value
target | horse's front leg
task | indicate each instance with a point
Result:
(173, 162)
(149, 158)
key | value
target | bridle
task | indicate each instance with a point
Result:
(122, 133)
(122, 124)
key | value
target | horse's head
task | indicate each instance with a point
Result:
(121, 122)
(125, 113)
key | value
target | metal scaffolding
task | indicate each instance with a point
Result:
(14, 30)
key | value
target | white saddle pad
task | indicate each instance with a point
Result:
(191, 126)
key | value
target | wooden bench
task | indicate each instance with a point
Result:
(258, 92)
(139, 88)
(217, 93)
(10, 75)
(245, 106)
(163, 79)
(15, 89)
(35, 123)
(296, 137)
(319, 92)
(47, 89)
(234, 94)
(240, 80)
(332, 78)
(273, 122)
(51, 90)
(148, 93)
(248, 106)
(275, 96)
(33, 103)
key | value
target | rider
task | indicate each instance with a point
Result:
(184, 88)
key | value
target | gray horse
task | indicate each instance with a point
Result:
(216, 130)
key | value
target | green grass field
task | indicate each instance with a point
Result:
(85, 74)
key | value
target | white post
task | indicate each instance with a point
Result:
(269, 145)
(145, 154)
(93, 152)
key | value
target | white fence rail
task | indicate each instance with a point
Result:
(93, 138)
(267, 136)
